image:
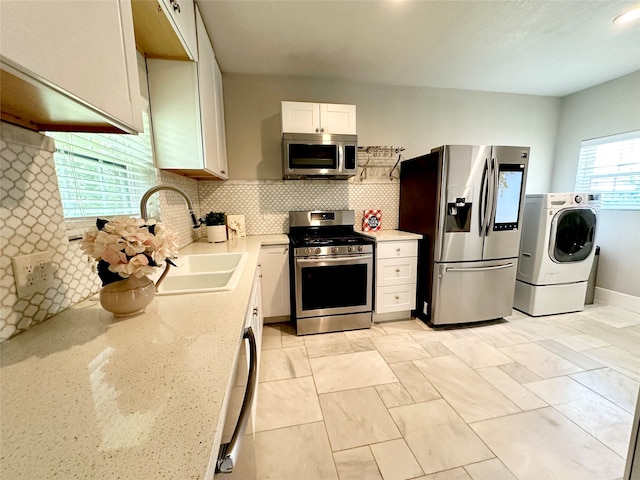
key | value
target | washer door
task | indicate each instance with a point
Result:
(572, 234)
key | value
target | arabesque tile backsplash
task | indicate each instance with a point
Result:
(31, 218)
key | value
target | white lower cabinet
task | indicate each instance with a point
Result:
(274, 261)
(396, 273)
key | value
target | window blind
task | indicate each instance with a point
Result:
(103, 174)
(610, 166)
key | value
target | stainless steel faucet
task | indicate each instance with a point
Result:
(145, 198)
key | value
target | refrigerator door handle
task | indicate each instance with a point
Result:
(484, 195)
(478, 269)
(493, 183)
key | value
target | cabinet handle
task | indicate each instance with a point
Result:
(174, 4)
(255, 311)
(322, 130)
(397, 297)
(397, 270)
(222, 171)
(398, 249)
(317, 130)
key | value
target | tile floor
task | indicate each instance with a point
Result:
(526, 398)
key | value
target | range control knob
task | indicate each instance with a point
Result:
(360, 248)
(307, 251)
(349, 249)
(578, 199)
(334, 249)
(317, 250)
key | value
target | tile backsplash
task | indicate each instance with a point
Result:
(266, 204)
(32, 218)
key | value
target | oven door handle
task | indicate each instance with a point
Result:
(340, 259)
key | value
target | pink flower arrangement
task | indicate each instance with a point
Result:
(127, 247)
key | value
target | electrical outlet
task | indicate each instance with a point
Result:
(33, 273)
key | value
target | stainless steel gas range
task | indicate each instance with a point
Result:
(331, 268)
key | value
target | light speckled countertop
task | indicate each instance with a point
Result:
(392, 235)
(83, 395)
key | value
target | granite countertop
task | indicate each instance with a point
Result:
(84, 395)
(392, 235)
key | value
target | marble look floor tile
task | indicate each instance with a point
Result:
(570, 355)
(394, 395)
(355, 418)
(519, 373)
(627, 338)
(540, 361)
(399, 348)
(289, 337)
(612, 385)
(356, 464)
(558, 390)
(376, 330)
(361, 344)
(432, 335)
(294, 453)
(476, 352)
(436, 349)
(395, 460)
(614, 316)
(607, 422)
(438, 437)
(284, 363)
(466, 391)
(271, 337)
(500, 335)
(453, 474)
(403, 326)
(492, 469)
(351, 370)
(545, 444)
(415, 382)
(287, 402)
(514, 391)
(582, 342)
(618, 359)
(327, 344)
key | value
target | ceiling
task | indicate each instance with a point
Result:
(551, 48)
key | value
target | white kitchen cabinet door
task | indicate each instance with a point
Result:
(220, 124)
(185, 113)
(83, 51)
(274, 260)
(338, 119)
(300, 117)
(307, 117)
(181, 15)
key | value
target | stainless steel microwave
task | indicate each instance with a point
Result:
(317, 156)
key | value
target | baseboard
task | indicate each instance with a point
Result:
(622, 300)
(391, 317)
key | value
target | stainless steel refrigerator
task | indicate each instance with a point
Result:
(467, 202)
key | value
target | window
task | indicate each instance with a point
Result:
(610, 166)
(103, 174)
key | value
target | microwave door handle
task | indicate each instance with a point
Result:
(228, 456)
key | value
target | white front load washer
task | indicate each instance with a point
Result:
(556, 252)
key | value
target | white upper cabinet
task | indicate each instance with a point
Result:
(187, 112)
(166, 29)
(305, 117)
(181, 14)
(70, 66)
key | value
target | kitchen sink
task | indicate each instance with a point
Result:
(215, 272)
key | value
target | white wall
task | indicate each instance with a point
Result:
(411, 117)
(606, 109)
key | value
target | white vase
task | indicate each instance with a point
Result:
(216, 233)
